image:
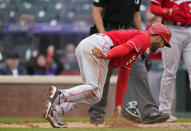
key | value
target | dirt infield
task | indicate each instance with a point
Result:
(176, 125)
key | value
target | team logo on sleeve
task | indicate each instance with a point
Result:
(139, 48)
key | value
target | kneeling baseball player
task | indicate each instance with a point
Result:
(97, 53)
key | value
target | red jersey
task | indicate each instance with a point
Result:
(128, 45)
(185, 9)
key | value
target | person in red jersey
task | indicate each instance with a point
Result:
(176, 15)
(97, 53)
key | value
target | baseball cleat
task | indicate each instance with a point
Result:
(53, 99)
(55, 119)
(48, 109)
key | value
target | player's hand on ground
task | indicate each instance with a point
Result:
(98, 53)
(116, 113)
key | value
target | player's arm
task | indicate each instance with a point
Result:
(156, 9)
(137, 17)
(114, 52)
(120, 50)
(137, 21)
(122, 83)
(174, 11)
(97, 18)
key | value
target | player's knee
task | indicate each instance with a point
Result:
(97, 99)
(97, 94)
(171, 75)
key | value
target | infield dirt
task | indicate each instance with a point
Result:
(176, 125)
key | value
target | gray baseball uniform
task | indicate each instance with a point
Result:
(181, 46)
(176, 16)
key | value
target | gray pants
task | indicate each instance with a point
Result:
(180, 46)
(139, 80)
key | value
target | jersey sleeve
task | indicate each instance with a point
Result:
(138, 4)
(158, 2)
(120, 50)
(136, 43)
(157, 9)
(122, 83)
(99, 3)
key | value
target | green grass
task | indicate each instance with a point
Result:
(21, 120)
(184, 119)
(35, 120)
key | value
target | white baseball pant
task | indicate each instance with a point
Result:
(181, 46)
(93, 72)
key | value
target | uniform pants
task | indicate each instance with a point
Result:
(97, 110)
(139, 80)
(180, 46)
(93, 72)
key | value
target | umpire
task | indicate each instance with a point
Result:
(121, 15)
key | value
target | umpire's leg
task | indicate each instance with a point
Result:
(139, 80)
(96, 112)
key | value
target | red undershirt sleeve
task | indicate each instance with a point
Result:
(121, 50)
(157, 9)
(122, 83)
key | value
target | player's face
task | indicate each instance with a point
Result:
(159, 43)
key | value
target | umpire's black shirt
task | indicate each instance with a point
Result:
(118, 12)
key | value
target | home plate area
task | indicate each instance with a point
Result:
(127, 124)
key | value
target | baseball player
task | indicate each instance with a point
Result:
(95, 54)
(111, 15)
(176, 16)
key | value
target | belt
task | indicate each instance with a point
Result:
(186, 25)
(117, 26)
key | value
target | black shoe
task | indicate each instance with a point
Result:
(156, 117)
(96, 120)
(162, 117)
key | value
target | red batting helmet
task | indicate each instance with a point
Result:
(162, 30)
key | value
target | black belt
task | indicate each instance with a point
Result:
(117, 26)
(186, 25)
